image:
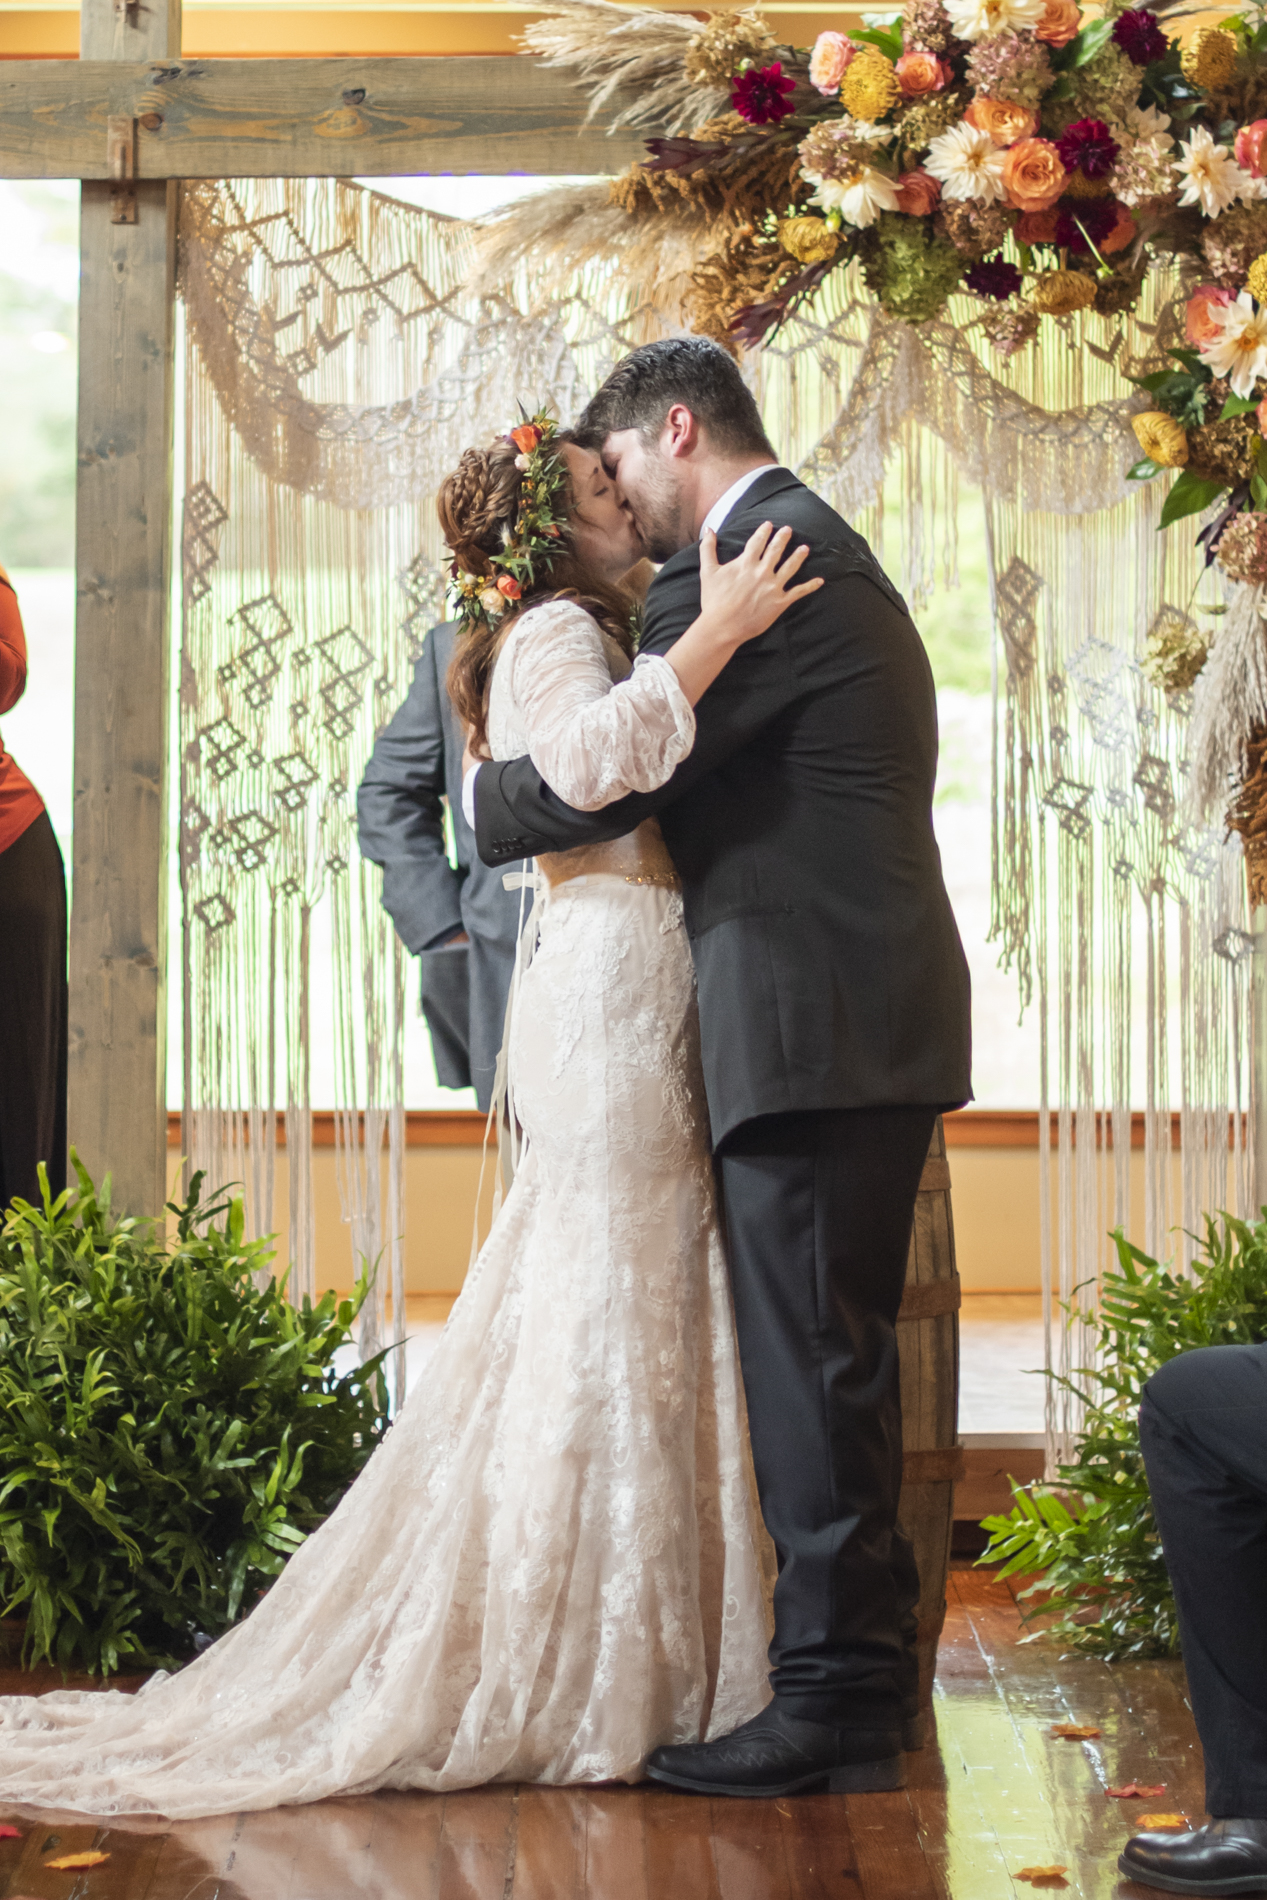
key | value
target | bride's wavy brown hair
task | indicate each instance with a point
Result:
(477, 504)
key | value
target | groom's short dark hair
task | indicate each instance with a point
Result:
(692, 370)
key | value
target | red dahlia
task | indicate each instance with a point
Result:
(993, 277)
(1139, 36)
(761, 94)
(1090, 218)
(1089, 147)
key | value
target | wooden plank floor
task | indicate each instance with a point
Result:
(996, 1794)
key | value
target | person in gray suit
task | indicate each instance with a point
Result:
(457, 919)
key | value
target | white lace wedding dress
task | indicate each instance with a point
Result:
(553, 1562)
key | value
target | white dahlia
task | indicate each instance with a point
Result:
(968, 163)
(860, 196)
(1212, 178)
(1239, 351)
(975, 19)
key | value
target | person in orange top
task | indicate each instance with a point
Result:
(32, 956)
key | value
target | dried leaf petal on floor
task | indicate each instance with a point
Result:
(1162, 1820)
(77, 1860)
(8, 1833)
(1136, 1791)
(1074, 1731)
(1039, 1876)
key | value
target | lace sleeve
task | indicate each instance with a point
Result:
(591, 740)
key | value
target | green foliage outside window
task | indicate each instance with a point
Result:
(170, 1430)
(1091, 1538)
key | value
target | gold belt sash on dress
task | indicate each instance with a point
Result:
(641, 857)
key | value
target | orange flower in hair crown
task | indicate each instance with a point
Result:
(535, 538)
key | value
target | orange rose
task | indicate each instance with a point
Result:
(1198, 328)
(1037, 227)
(1059, 22)
(920, 72)
(1250, 141)
(1033, 176)
(1124, 232)
(525, 439)
(509, 586)
(917, 193)
(1003, 119)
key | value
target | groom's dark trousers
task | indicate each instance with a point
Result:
(833, 1002)
(1203, 1432)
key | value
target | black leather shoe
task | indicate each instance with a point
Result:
(1223, 1857)
(777, 1754)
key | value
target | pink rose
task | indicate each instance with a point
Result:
(917, 193)
(1260, 416)
(1250, 141)
(919, 72)
(832, 54)
(1197, 325)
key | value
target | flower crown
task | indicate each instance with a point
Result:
(534, 541)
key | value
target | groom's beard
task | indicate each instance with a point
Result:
(657, 511)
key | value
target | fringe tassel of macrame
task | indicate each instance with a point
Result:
(1229, 701)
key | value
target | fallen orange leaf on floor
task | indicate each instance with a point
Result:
(1163, 1820)
(8, 1833)
(1036, 1875)
(1135, 1791)
(1074, 1731)
(77, 1860)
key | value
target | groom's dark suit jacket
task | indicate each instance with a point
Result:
(831, 974)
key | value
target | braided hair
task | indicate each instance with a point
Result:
(477, 505)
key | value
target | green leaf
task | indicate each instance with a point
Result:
(1258, 490)
(1085, 45)
(887, 38)
(1190, 494)
(1238, 406)
(1143, 470)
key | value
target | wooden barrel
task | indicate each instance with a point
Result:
(928, 1348)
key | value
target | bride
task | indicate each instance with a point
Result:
(553, 1563)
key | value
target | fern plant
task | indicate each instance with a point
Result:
(170, 1430)
(1091, 1539)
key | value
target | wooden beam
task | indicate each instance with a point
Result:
(118, 992)
(301, 118)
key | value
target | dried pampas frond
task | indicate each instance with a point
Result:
(554, 234)
(613, 48)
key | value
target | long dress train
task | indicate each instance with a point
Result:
(553, 1563)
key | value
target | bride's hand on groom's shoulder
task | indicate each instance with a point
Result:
(745, 596)
(738, 600)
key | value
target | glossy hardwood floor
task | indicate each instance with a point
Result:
(997, 1794)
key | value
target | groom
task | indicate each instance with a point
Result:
(833, 1002)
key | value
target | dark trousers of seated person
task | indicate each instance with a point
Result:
(1203, 1430)
(33, 1014)
(817, 1209)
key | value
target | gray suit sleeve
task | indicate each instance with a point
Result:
(400, 815)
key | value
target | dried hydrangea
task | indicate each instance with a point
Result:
(926, 23)
(1105, 88)
(1013, 66)
(928, 119)
(1175, 651)
(1144, 173)
(1242, 549)
(835, 146)
(908, 267)
(973, 229)
(1232, 241)
(715, 55)
(1010, 329)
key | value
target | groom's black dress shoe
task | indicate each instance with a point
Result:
(777, 1754)
(1223, 1857)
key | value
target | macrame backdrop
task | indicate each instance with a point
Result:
(344, 348)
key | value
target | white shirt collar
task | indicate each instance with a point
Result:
(723, 505)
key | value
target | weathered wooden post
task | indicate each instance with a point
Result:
(118, 995)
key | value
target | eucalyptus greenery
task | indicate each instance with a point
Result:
(171, 1427)
(1091, 1538)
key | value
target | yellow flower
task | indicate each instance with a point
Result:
(870, 87)
(1059, 292)
(808, 240)
(1256, 279)
(1162, 439)
(1210, 57)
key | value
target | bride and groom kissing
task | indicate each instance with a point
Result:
(660, 1440)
